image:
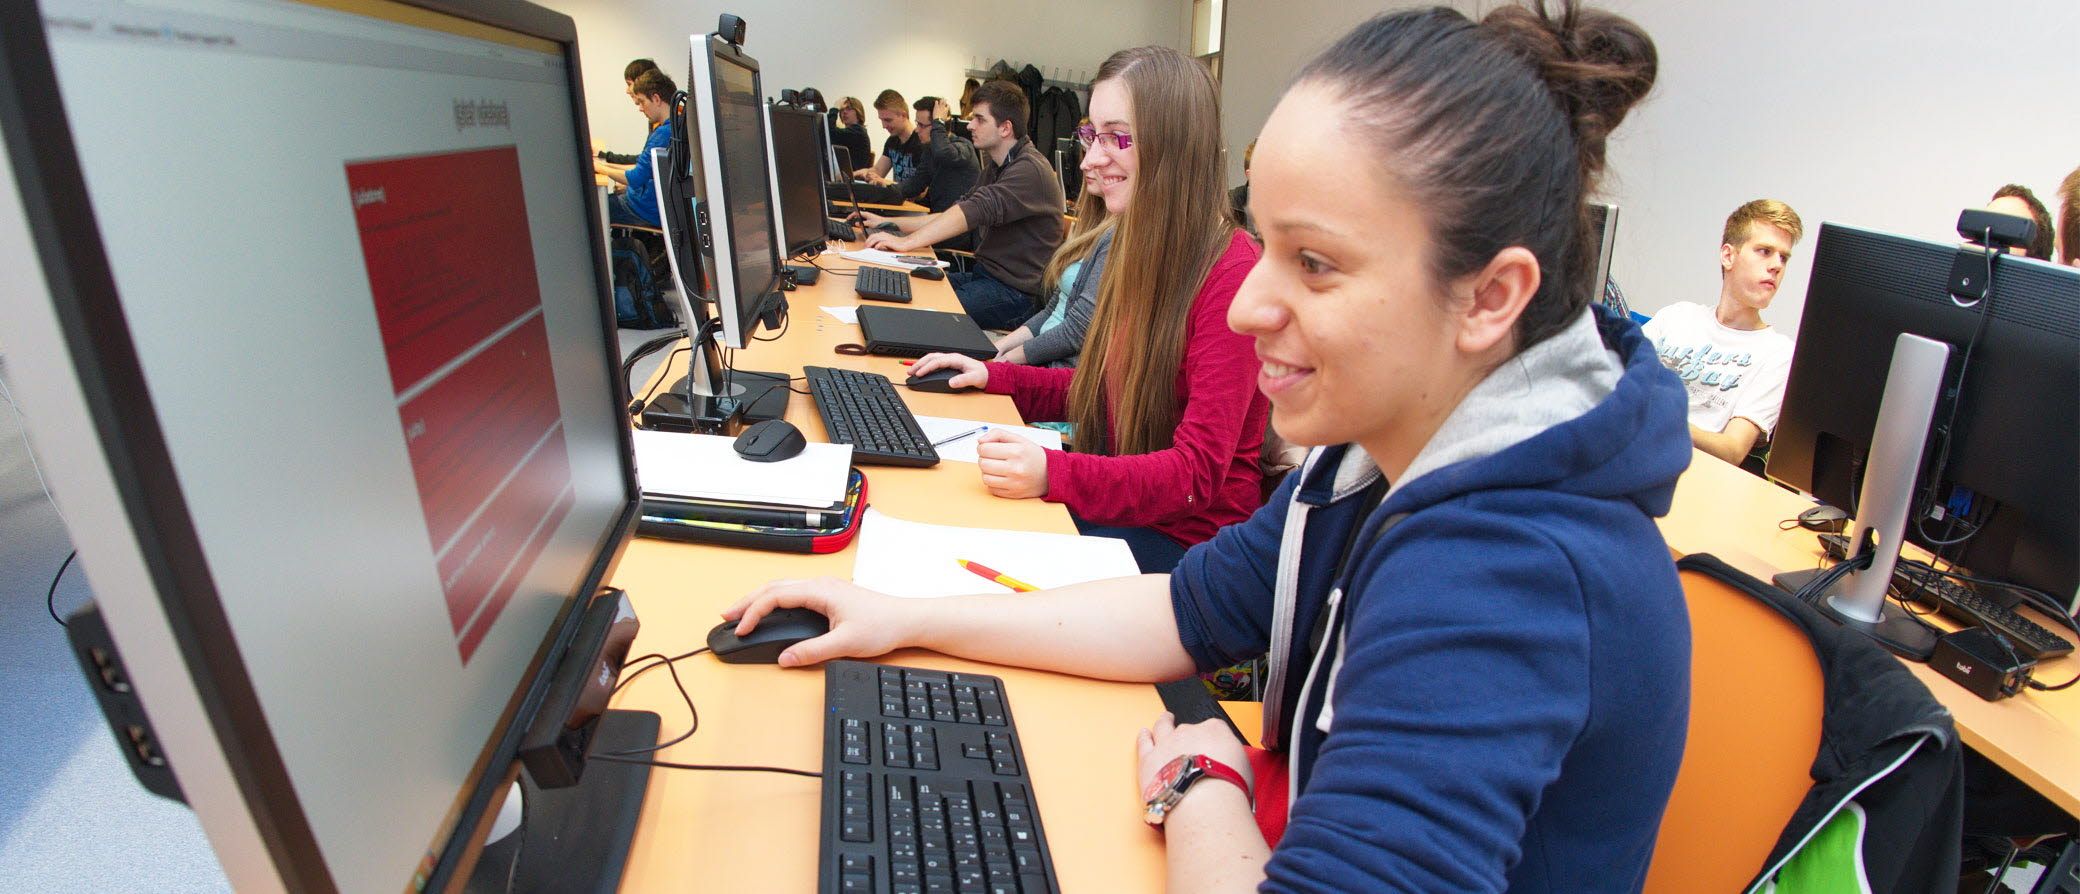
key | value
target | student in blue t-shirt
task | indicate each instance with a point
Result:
(638, 203)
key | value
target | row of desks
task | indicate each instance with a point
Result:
(758, 832)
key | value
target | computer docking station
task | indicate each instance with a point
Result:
(1976, 659)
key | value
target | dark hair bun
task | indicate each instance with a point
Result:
(1597, 64)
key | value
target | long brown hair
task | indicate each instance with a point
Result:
(1162, 247)
(1091, 222)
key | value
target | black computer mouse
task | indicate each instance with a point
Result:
(775, 632)
(770, 441)
(1824, 518)
(927, 273)
(887, 227)
(934, 382)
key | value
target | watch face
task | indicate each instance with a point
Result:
(1166, 777)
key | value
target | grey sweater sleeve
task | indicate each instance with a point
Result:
(1065, 342)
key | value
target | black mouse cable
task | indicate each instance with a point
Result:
(849, 271)
(628, 756)
(50, 597)
(669, 765)
(693, 727)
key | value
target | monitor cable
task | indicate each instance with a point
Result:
(1946, 435)
(628, 366)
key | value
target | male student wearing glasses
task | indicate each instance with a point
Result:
(1015, 211)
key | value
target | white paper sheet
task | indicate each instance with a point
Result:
(906, 558)
(887, 258)
(939, 428)
(688, 465)
(849, 314)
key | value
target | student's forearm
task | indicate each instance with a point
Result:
(1013, 339)
(1211, 841)
(1120, 629)
(1720, 444)
(618, 175)
(940, 227)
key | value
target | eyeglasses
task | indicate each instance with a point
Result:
(1086, 135)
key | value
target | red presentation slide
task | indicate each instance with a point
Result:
(451, 267)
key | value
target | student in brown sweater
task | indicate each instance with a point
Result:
(1015, 211)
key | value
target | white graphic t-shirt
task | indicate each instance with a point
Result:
(1728, 372)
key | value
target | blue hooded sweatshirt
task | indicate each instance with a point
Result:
(642, 195)
(1501, 689)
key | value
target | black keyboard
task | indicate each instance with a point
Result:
(1968, 606)
(863, 409)
(924, 787)
(883, 284)
(838, 232)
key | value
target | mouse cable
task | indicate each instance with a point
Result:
(692, 728)
(849, 271)
(50, 597)
(722, 767)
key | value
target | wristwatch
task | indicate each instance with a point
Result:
(1179, 774)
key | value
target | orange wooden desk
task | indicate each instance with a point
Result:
(758, 831)
(1722, 510)
(906, 209)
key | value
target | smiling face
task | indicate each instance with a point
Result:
(1357, 342)
(1108, 169)
(1750, 272)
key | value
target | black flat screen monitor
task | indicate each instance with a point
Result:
(1603, 228)
(797, 158)
(733, 199)
(2012, 455)
(341, 440)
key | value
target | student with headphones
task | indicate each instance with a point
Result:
(1479, 647)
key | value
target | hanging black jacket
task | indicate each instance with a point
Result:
(1887, 747)
(1031, 80)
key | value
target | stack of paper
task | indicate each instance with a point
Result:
(906, 558)
(707, 467)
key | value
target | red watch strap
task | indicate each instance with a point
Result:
(1218, 770)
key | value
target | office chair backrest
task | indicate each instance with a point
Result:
(1756, 699)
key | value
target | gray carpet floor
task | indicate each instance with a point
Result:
(72, 818)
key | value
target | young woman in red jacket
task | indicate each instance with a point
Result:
(1168, 420)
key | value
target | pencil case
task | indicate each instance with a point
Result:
(777, 528)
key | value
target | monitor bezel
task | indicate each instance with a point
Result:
(88, 313)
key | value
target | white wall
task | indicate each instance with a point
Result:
(1888, 114)
(918, 47)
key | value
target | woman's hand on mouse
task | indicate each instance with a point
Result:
(1012, 467)
(972, 373)
(863, 623)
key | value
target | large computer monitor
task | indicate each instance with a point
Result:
(341, 437)
(795, 154)
(2013, 461)
(732, 192)
(728, 261)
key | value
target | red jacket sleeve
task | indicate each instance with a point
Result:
(1218, 388)
(1040, 392)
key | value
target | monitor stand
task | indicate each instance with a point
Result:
(576, 838)
(709, 398)
(1858, 601)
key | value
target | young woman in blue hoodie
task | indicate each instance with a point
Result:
(1479, 648)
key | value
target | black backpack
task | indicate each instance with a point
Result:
(639, 278)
